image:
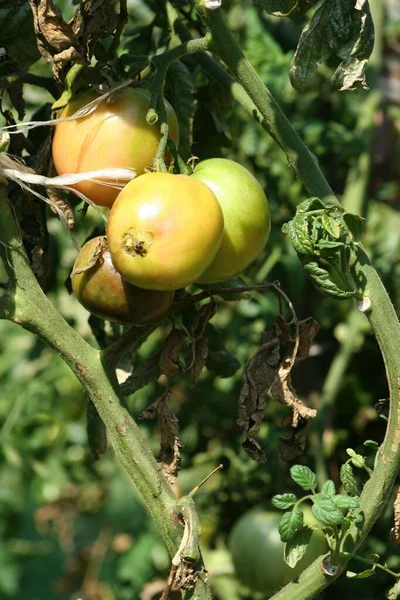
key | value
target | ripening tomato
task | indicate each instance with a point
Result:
(246, 216)
(115, 135)
(164, 230)
(103, 292)
(257, 550)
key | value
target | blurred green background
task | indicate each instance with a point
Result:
(72, 527)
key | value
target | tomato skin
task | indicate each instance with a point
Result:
(257, 550)
(104, 293)
(164, 230)
(115, 135)
(246, 216)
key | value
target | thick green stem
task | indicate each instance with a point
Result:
(24, 303)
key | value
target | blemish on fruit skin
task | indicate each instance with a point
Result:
(136, 243)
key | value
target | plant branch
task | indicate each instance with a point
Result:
(25, 304)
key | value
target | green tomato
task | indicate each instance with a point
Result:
(257, 550)
(246, 217)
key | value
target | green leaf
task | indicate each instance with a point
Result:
(304, 477)
(350, 451)
(310, 204)
(296, 547)
(355, 224)
(298, 233)
(322, 280)
(346, 502)
(290, 522)
(284, 501)
(371, 444)
(329, 244)
(331, 226)
(181, 93)
(329, 488)
(348, 481)
(326, 511)
(358, 461)
(362, 575)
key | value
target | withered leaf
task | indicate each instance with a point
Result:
(93, 20)
(169, 359)
(55, 38)
(169, 457)
(97, 254)
(258, 377)
(146, 372)
(396, 528)
(308, 329)
(253, 449)
(196, 359)
(292, 443)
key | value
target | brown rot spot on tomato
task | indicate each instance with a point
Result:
(137, 243)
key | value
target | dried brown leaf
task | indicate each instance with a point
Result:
(96, 256)
(196, 359)
(199, 359)
(396, 528)
(258, 377)
(56, 39)
(292, 443)
(145, 373)
(308, 329)
(169, 359)
(169, 457)
(94, 20)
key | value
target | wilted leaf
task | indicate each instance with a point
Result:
(169, 359)
(197, 357)
(258, 377)
(182, 96)
(322, 279)
(148, 371)
(338, 28)
(296, 547)
(168, 457)
(17, 33)
(308, 329)
(56, 39)
(361, 575)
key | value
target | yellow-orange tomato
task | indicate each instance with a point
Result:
(164, 230)
(114, 135)
(246, 215)
(104, 293)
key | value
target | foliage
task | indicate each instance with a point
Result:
(71, 524)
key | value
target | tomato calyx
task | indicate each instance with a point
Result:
(137, 243)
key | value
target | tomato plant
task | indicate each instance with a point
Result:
(116, 134)
(164, 230)
(104, 293)
(247, 221)
(258, 552)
